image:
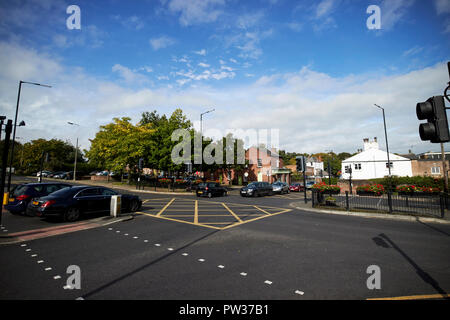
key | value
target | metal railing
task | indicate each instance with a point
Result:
(420, 205)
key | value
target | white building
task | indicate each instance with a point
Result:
(372, 163)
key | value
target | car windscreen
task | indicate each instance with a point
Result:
(253, 185)
(202, 185)
(20, 190)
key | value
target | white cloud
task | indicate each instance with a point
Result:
(442, 6)
(393, 12)
(204, 65)
(201, 52)
(161, 42)
(132, 22)
(196, 11)
(130, 76)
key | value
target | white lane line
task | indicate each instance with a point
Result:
(145, 240)
(185, 254)
(220, 266)
(268, 282)
(201, 260)
(125, 234)
(170, 249)
(57, 277)
(243, 274)
(79, 298)
(5, 230)
(34, 255)
(48, 269)
(118, 231)
(110, 229)
(28, 250)
(40, 261)
(157, 244)
(135, 237)
(23, 245)
(299, 292)
(67, 287)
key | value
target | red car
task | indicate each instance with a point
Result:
(296, 187)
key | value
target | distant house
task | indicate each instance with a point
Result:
(314, 169)
(372, 163)
(430, 164)
(266, 165)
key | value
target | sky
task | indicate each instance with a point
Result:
(312, 69)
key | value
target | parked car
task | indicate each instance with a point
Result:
(45, 173)
(55, 175)
(296, 187)
(256, 189)
(280, 187)
(62, 175)
(72, 202)
(210, 189)
(102, 173)
(22, 194)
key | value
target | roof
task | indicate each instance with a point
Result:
(374, 155)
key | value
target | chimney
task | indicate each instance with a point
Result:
(375, 139)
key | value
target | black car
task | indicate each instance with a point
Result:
(257, 189)
(72, 202)
(22, 194)
(209, 189)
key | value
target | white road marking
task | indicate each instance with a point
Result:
(125, 234)
(135, 237)
(23, 245)
(57, 277)
(220, 266)
(40, 261)
(118, 231)
(268, 282)
(185, 254)
(67, 287)
(28, 250)
(110, 229)
(170, 249)
(157, 244)
(299, 292)
(243, 274)
(79, 298)
(34, 255)
(145, 240)
(48, 269)
(201, 260)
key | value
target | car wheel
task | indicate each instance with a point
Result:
(72, 214)
(134, 206)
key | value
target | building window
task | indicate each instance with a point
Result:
(435, 170)
(357, 166)
(259, 163)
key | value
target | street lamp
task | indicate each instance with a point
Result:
(15, 125)
(76, 153)
(385, 135)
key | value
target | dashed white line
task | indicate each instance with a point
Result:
(299, 292)
(40, 261)
(48, 269)
(28, 250)
(125, 234)
(118, 231)
(243, 274)
(170, 249)
(201, 260)
(34, 255)
(185, 254)
(220, 266)
(135, 237)
(145, 240)
(157, 244)
(57, 277)
(23, 245)
(268, 282)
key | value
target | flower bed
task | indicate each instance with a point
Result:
(322, 187)
(370, 190)
(412, 190)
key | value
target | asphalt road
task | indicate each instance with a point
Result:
(265, 250)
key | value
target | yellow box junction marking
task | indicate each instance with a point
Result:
(232, 213)
(165, 207)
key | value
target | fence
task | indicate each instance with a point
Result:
(426, 205)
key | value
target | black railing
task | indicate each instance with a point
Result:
(421, 205)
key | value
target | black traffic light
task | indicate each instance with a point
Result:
(301, 164)
(348, 169)
(436, 128)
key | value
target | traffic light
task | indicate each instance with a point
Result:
(141, 163)
(348, 169)
(436, 128)
(301, 165)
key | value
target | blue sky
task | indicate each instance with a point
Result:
(293, 65)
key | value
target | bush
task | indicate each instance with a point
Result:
(395, 181)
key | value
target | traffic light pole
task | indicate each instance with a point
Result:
(444, 167)
(8, 129)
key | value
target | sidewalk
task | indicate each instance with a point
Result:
(301, 205)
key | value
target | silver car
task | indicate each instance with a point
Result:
(280, 187)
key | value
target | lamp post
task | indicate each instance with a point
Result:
(15, 124)
(201, 134)
(76, 153)
(385, 135)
